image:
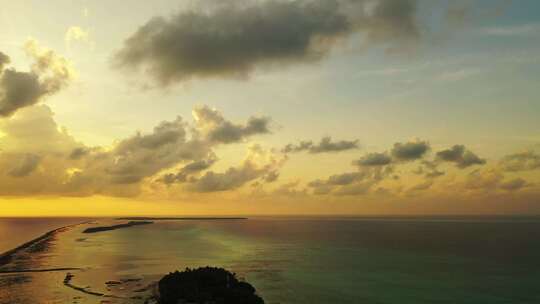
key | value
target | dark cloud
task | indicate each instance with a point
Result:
(231, 179)
(4, 60)
(410, 151)
(25, 165)
(189, 169)
(523, 161)
(234, 177)
(167, 132)
(232, 39)
(344, 179)
(429, 169)
(301, 146)
(49, 74)
(374, 159)
(351, 183)
(214, 127)
(434, 173)
(422, 186)
(514, 184)
(271, 176)
(459, 155)
(17, 90)
(78, 153)
(198, 166)
(324, 146)
(260, 166)
(144, 155)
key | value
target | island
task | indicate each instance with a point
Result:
(205, 285)
(181, 218)
(114, 227)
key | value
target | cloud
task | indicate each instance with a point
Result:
(259, 164)
(228, 180)
(324, 146)
(422, 186)
(49, 74)
(514, 184)
(232, 39)
(75, 33)
(344, 179)
(34, 130)
(289, 190)
(301, 146)
(492, 180)
(177, 157)
(79, 152)
(523, 161)
(459, 155)
(374, 159)
(429, 169)
(186, 171)
(72, 168)
(144, 155)
(410, 151)
(355, 189)
(4, 59)
(214, 127)
(271, 176)
(484, 180)
(17, 90)
(351, 183)
(31, 139)
(25, 165)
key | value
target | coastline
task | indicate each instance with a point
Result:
(6, 257)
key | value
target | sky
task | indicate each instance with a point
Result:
(337, 107)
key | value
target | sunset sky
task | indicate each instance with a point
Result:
(269, 107)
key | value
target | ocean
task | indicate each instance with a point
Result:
(296, 260)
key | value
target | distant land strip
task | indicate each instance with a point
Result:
(181, 218)
(37, 270)
(114, 227)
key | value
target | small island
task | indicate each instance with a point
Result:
(205, 285)
(114, 227)
(181, 218)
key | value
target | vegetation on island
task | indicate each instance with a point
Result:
(119, 226)
(208, 285)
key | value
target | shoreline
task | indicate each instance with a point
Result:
(5, 257)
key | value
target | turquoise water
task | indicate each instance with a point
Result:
(313, 260)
